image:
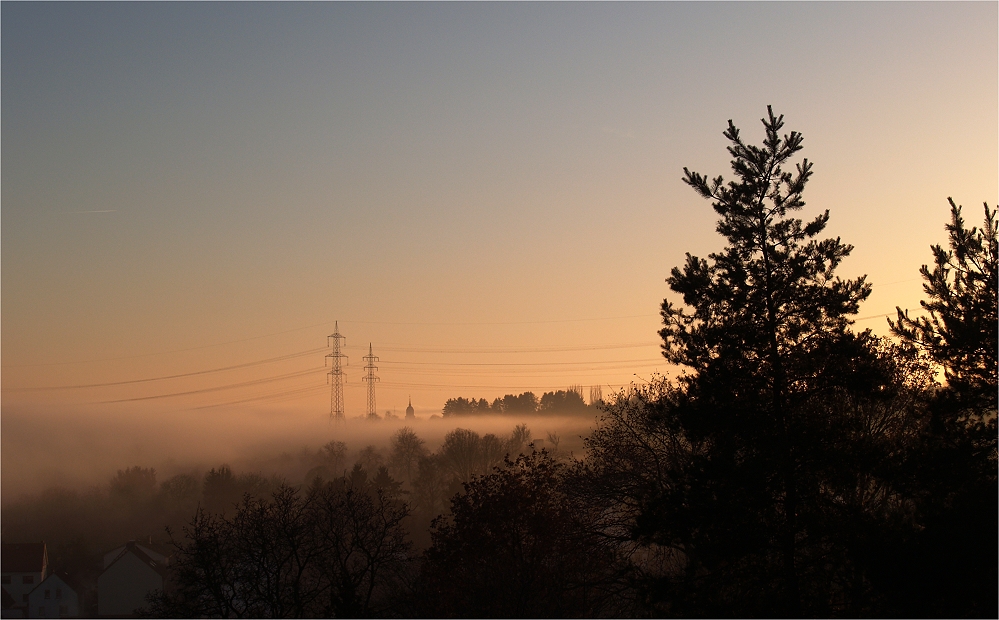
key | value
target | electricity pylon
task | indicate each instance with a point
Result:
(369, 366)
(336, 374)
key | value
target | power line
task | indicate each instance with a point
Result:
(195, 373)
(658, 359)
(404, 348)
(874, 316)
(545, 383)
(555, 349)
(476, 387)
(219, 388)
(423, 368)
(288, 356)
(531, 372)
(198, 348)
(284, 394)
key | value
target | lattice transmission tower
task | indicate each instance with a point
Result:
(336, 373)
(369, 366)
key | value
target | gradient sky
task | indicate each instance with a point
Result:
(490, 194)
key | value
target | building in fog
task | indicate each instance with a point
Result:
(23, 567)
(53, 598)
(130, 573)
(410, 412)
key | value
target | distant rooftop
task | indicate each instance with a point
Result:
(157, 564)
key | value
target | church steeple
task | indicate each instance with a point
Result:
(410, 412)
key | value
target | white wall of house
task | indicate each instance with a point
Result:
(53, 599)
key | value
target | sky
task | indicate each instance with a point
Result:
(489, 195)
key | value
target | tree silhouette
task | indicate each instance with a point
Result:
(962, 329)
(562, 401)
(134, 482)
(760, 312)
(431, 486)
(405, 453)
(756, 478)
(334, 550)
(517, 545)
(461, 455)
(949, 565)
(519, 439)
(527, 402)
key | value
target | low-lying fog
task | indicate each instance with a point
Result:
(76, 449)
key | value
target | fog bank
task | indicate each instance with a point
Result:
(76, 448)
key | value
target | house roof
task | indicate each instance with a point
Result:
(73, 580)
(22, 557)
(158, 553)
(137, 551)
(54, 581)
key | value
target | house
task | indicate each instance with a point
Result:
(22, 567)
(130, 574)
(53, 598)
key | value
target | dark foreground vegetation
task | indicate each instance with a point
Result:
(796, 468)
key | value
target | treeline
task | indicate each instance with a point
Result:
(561, 401)
(515, 543)
(409, 484)
(340, 546)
